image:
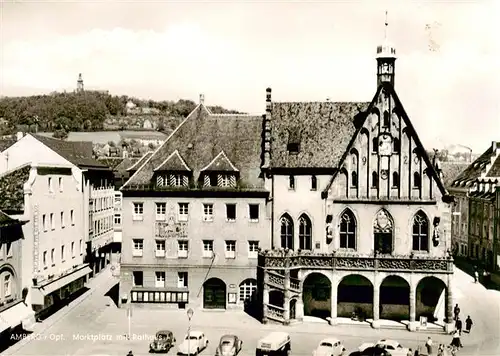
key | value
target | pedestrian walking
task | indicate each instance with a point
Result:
(456, 340)
(476, 276)
(417, 351)
(468, 324)
(456, 311)
(458, 326)
(440, 350)
(409, 353)
(428, 346)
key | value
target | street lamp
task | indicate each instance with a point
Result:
(190, 313)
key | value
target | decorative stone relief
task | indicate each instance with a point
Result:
(359, 263)
(394, 264)
(315, 261)
(383, 222)
(431, 265)
(277, 280)
(274, 262)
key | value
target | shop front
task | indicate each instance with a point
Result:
(52, 295)
(16, 319)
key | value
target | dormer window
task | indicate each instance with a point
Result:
(220, 172)
(173, 172)
(225, 180)
(293, 146)
(172, 180)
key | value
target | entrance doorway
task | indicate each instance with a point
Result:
(293, 311)
(214, 294)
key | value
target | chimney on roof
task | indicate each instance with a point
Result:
(202, 99)
(266, 162)
(19, 135)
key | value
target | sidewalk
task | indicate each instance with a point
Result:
(102, 281)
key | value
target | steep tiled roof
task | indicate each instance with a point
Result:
(140, 162)
(12, 189)
(6, 220)
(174, 162)
(77, 152)
(474, 170)
(220, 164)
(495, 169)
(111, 162)
(335, 122)
(451, 170)
(202, 136)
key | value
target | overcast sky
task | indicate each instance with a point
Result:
(447, 72)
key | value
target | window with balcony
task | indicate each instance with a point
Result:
(138, 211)
(161, 210)
(253, 249)
(182, 280)
(348, 230)
(182, 248)
(61, 184)
(230, 249)
(138, 278)
(208, 212)
(231, 212)
(160, 280)
(253, 212)
(160, 248)
(183, 213)
(420, 232)
(137, 247)
(208, 248)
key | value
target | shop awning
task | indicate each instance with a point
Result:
(16, 315)
(39, 292)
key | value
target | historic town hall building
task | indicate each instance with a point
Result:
(360, 218)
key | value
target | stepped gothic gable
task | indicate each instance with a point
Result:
(385, 159)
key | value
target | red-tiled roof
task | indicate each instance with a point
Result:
(77, 152)
(202, 136)
(324, 129)
(12, 189)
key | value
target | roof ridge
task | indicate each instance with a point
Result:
(164, 143)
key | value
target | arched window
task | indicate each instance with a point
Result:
(347, 230)
(248, 290)
(314, 183)
(354, 179)
(420, 232)
(417, 181)
(375, 144)
(383, 228)
(305, 233)
(396, 145)
(286, 232)
(386, 119)
(395, 180)
(374, 180)
(7, 278)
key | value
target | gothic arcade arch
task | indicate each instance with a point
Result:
(316, 295)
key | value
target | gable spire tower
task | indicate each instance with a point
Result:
(79, 84)
(386, 59)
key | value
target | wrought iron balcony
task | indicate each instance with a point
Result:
(280, 259)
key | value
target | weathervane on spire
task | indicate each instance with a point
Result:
(386, 24)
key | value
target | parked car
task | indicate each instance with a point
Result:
(374, 351)
(276, 343)
(193, 343)
(229, 345)
(163, 342)
(329, 347)
(394, 347)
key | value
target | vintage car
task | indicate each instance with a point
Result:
(329, 347)
(194, 342)
(163, 342)
(392, 346)
(229, 345)
(276, 343)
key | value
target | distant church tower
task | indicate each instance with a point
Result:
(79, 84)
(386, 59)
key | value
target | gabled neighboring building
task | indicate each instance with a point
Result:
(472, 209)
(360, 217)
(16, 316)
(49, 198)
(203, 193)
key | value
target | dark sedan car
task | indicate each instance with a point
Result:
(163, 342)
(229, 345)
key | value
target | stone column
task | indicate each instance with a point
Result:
(286, 302)
(412, 326)
(376, 305)
(449, 322)
(333, 304)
